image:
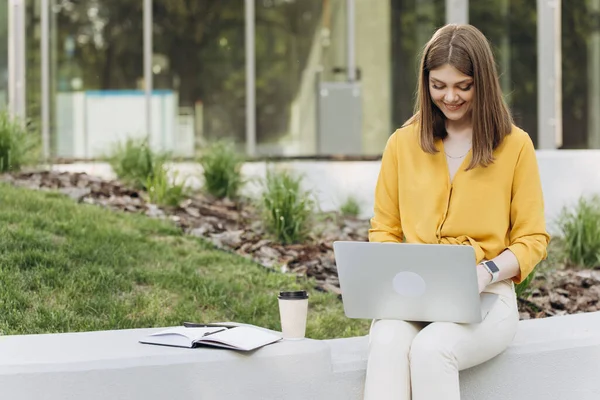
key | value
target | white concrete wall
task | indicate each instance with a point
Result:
(566, 175)
(551, 359)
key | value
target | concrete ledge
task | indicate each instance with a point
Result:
(555, 358)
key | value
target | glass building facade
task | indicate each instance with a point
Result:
(3, 53)
(327, 76)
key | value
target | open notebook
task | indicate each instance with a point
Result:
(242, 337)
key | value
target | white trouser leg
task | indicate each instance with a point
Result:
(443, 349)
(388, 373)
(427, 357)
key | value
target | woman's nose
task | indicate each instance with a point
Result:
(451, 96)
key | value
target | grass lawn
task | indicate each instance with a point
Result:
(67, 267)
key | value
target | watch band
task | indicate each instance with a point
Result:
(492, 269)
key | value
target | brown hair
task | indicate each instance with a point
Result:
(465, 48)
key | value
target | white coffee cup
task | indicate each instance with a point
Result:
(293, 310)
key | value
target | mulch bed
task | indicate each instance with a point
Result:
(236, 227)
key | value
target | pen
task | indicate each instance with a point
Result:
(203, 325)
(212, 333)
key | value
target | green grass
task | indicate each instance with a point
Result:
(66, 267)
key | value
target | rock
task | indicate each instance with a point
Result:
(193, 211)
(332, 288)
(258, 245)
(266, 252)
(231, 239)
(524, 315)
(153, 211)
(75, 193)
(558, 301)
(202, 231)
(186, 203)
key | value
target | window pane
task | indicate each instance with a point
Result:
(3, 53)
(510, 26)
(199, 57)
(294, 41)
(413, 23)
(97, 97)
(32, 62)
(581, 74)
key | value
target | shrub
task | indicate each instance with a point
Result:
(19, 146)
(554, 261)
(287, 209)
(134, 162)
(221, 166)
(351, 207)
(161, 189)
(523, 289)
(580, 229)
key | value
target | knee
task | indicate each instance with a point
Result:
(391, 334)
(428, 347)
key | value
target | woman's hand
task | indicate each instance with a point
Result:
(484, 277)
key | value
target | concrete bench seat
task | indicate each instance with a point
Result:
(554, 358)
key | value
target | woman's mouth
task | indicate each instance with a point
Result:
(453, 107)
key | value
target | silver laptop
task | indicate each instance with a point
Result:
(411, 282)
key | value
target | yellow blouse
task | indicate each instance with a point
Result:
(492, 209)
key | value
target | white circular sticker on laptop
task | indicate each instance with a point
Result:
(409, 284)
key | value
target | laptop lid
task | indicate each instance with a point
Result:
(412, 282)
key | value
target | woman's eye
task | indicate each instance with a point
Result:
(467, 88)
(437, 87)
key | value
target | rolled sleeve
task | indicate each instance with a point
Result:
(528, 236)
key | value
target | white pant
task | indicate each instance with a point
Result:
(424, 359)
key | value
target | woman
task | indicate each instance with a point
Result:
(458, 172)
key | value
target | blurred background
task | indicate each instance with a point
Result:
(318, 77)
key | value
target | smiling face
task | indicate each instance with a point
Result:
(452, 92)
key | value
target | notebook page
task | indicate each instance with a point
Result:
(191, 333)
(179, 336)
(242, 337)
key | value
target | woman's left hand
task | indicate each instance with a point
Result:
(484, 278)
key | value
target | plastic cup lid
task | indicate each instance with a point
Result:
(294, 295)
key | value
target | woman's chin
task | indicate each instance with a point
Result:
(454, 117)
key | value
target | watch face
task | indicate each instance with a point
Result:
(492, 266)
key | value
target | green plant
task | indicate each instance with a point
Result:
(351, 207)
(161, 189)
(287, 209)
(580, 228)
(221, 166)
(554, 261)
(19, 146)
(134, 162)
(523, 289)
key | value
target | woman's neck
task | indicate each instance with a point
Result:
(459, 130)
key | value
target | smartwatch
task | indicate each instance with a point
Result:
(492, 269)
